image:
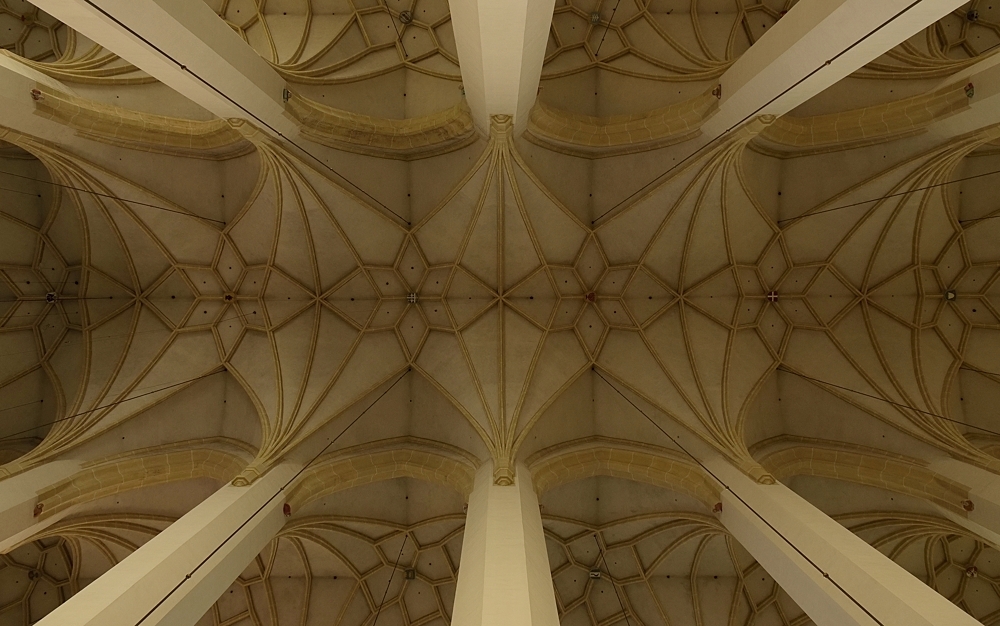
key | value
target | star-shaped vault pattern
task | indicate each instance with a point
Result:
(501, 298)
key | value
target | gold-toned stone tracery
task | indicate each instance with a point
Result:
(961, 567)
(667, 568)
(320, 42)
(670, 41)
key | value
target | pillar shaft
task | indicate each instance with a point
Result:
(185, 45)
(19, 495)
(152, 580)
(887, 592)
(984, 493)
(505, 577)
(501, 48)
(777, 73)
(984, 105)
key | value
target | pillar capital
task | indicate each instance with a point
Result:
(19, 500)
(834, 575)
(505, 577)
(178, 575)
(982, 515)
(501, 48)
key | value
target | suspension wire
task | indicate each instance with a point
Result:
(399, 35)
(754, 113)
(979, 219)
(244, 109)
(894, 195)
(106, 406)
(138, 332)
(106, 195)
(393, 573)
(726, 487)
(607, 27)
(600, 551)
(277, 493)
(897, 404)
(26, 193)
(18, 406)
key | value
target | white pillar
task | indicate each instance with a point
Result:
(501, 48)
(811, 34)
(19, 495)
(888, 592)
(505, 577)
(984, 105)
(984, 494)
(17, 109)
(154, 579)
(189, 49)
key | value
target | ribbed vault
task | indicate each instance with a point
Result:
(189, 301)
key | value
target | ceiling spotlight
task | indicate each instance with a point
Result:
(411, 574)
(411, 298)
(972, 16)
(951, 295)
(405, 17)
(595, 574)
(51, 297)
(595, 18)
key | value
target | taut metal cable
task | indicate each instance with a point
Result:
(754, 113)
(744, 502)
(106, 195)
(249, 113)
(607, 27)
(897, 404)
(600, 551)
(188, 576)
(894, 195)
(106, 406)
(391, 575)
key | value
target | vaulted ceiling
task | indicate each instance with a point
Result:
(186, 292)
